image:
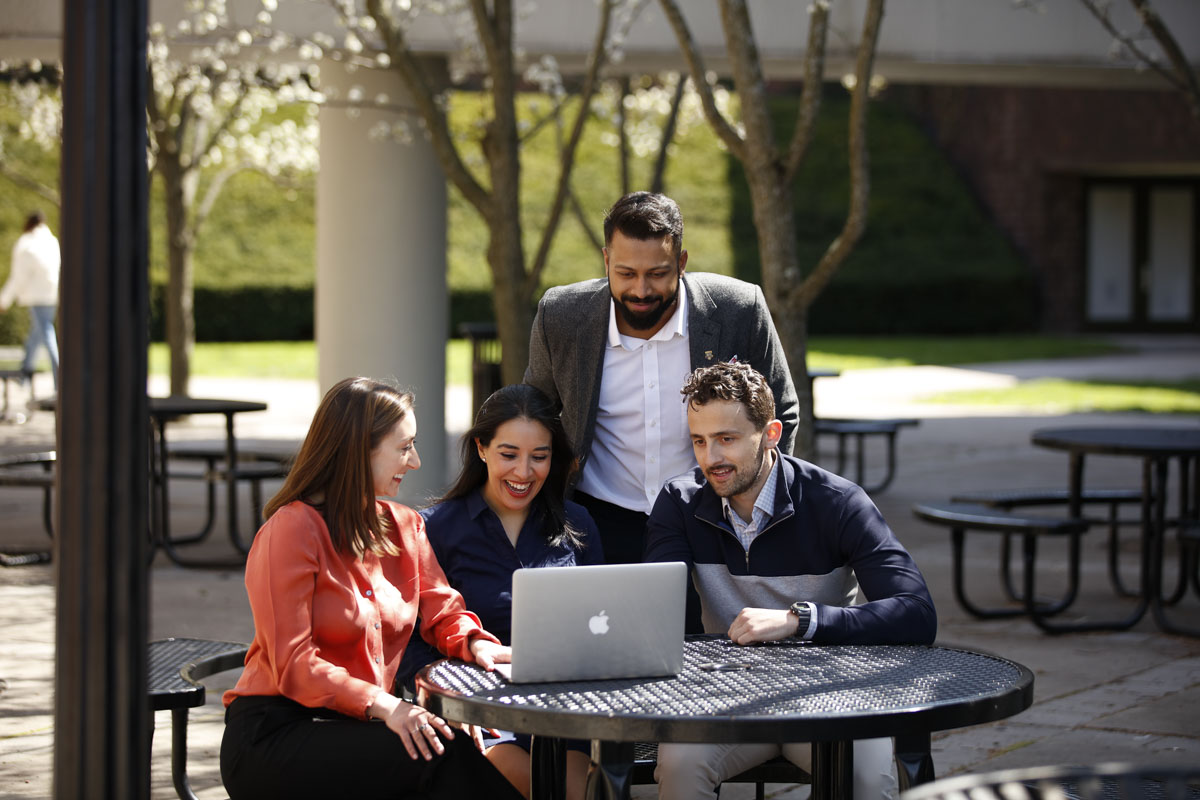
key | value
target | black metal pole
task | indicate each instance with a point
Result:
(101, 726)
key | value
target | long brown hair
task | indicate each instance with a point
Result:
(332, 471)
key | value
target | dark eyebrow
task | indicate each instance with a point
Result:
(514, 447)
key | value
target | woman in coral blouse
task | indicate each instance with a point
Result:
(506, 511)
(336, 580)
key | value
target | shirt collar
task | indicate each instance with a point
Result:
(676, 325)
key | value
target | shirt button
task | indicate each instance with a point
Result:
(653, 423)
(376, 626)
(650, 384)
(369, 592)
(377, 659)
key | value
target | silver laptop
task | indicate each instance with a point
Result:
(609, 621)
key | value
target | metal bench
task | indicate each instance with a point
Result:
(961, 517)
(1008, 499)
(254, 465)
(175, 669)
(34, 471)
(859, 430)
(20, 376)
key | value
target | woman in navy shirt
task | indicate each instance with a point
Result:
(508, 510)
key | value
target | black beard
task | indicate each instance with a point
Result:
(647, 319)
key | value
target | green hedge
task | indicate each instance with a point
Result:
(270, 313)
(243, 314)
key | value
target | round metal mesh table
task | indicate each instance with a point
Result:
(787, 691)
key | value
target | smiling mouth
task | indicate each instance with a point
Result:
(518, 489)
(720, 473)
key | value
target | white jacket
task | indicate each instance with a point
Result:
(33, 280)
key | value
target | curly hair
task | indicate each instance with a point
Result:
(732, 381)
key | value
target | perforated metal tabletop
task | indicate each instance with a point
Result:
(783, 692)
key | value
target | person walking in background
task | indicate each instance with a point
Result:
(33, 283)
(614, 351)
(507, 511)
(337, 580)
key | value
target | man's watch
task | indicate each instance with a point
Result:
(803, 614)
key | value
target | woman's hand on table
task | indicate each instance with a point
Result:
(418, 728)
(488, 654)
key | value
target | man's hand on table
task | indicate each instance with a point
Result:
(754, 625)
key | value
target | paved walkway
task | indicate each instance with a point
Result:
(1132, 696)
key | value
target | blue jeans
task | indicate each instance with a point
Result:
(41, 332)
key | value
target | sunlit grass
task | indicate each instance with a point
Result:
(869, 352)
(296, 360)
(1055, 396)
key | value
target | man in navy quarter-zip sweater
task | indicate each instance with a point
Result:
(777, 548)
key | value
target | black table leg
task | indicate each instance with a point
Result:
(832, 771)
(914, 760)
(609, 777)
(548, 768)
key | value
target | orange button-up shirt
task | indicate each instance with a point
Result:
(330, 628)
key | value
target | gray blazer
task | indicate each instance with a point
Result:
(726, 318)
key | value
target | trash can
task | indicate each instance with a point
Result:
(485, 360)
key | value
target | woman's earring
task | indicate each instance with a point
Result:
(481, 458)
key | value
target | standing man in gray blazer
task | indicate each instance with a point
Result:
(615, 351)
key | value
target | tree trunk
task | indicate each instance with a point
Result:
(775, 224)
(179, 188)
(511, 301)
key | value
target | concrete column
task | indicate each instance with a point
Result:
(381, 299)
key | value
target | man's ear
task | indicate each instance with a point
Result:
(772, 433)
(682, 261)
(604, 251)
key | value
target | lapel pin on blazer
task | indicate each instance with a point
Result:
(708, 355)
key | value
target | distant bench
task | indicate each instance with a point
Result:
(34, 471)
(255, 464)
(19, 376)
(961, 517)
(859, 430)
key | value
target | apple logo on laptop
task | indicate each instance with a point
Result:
(599, 623)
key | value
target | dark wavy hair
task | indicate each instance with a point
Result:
(332, 471)
(736, 382)
(522, 401)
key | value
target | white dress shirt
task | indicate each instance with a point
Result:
(641, 437)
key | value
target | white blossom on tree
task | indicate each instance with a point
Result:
(211, 113)
(482, 162)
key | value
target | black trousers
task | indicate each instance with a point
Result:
(274, 747)
(622, 532)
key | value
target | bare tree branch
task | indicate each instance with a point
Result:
(1101, 13)
(860, 180)
(810, 96)
(623, 88)
(211, 192)
(595, 63)
(691, 53)
(584, 222)
(668, 136)
(430, 110)
(227, 122)
(47, 193)
(1185, 78)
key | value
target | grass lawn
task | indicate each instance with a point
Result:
(1054, 396)
(298, 360)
